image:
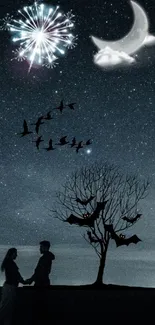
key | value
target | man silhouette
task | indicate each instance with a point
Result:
(43, 268)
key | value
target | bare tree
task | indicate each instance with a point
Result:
(81, 194)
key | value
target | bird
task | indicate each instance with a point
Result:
(38, 123)
(48, 116)
(79, 146)
(26, 131)
(88, 142)
(61, 106)
(38, 141)
(73, 142)
(62, 141)
(71, 106)
(50, 147)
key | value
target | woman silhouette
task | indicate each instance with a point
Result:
(12, 279)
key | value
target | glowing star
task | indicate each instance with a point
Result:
(42, 33)
(88, 151)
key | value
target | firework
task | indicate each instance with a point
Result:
(52, 64)
(5, 21)
(72, 42)
(69, 16)
(43, 33)
(18, 55)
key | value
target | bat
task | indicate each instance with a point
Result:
(84, 202)
(72, 219)
(90, 219)
(95, 215)
(132, 220)
(120, 240)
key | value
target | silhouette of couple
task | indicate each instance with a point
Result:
(13, 278)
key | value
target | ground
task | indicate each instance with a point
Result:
(38, 306)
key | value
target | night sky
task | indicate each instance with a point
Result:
(115, 108)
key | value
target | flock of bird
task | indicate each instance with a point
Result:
(63, 140)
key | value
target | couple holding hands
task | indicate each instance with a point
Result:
(13, 278)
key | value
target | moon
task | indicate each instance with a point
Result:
(134, 39)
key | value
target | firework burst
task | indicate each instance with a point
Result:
(17, 55)
(72, 42)
(42, 33)
(5, 21)
(52, 64)
(70, 17)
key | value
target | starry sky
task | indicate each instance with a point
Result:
(115, 108)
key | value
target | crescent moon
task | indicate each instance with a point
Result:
(134, 39)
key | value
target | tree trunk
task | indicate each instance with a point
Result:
(101, 266)
(101, 270)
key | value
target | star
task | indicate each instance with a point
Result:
(89, 151)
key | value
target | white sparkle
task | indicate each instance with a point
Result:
(89, 151)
